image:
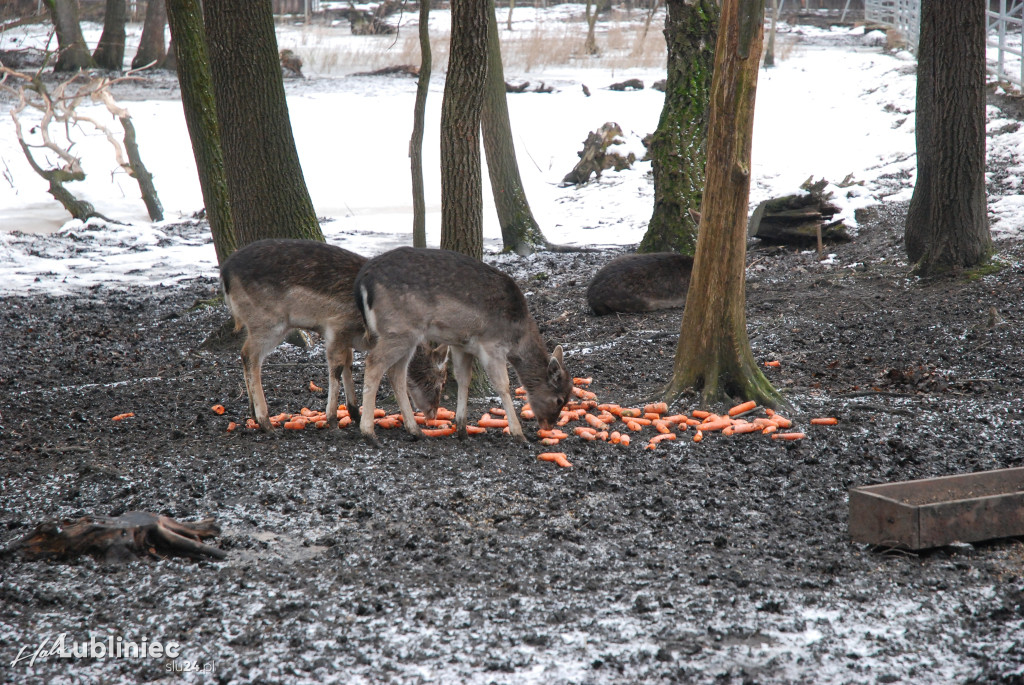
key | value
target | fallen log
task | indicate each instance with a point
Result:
(133, 535)
(797, 220)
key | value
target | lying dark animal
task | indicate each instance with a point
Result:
(641, 283)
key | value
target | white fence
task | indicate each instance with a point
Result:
(1005, 21)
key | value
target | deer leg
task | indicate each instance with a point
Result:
(385, 354)
(497, 373)
(398, 373)
(339, 371)
(462, 367)
(258, 344)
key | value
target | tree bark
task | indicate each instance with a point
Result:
(152, 49)
(947, 222)
(678, 147)
(140, 172)
(419, 206)
(73, 53)
(520, 232)
(188, 38)
(713, 355)
(461, 182)
(269, 198)
(109, 53)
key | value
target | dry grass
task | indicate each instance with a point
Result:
(547, 43)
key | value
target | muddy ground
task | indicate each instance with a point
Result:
(444, 561)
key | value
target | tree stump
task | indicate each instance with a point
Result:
(133, 535)
(595, 156)
(797, 219)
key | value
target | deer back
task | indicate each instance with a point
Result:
(641, 283)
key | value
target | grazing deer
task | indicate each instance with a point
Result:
(275, 286)
(641, 283)
(409, 295)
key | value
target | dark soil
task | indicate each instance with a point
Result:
(444, 561)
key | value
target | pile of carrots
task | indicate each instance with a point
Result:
(596, 421)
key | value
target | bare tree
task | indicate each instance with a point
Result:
(419, 209)
(461, 181)
(947, 223)
(109, 52)
(73, 53)
(678, 148)
(152, 49)
(713, 355)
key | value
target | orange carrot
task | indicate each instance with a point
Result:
(296, 425)
(217, 409)
(656, 408)
(652, 415)
(583, 394)
(633, 425)
(492, 423)
(602, 435)
(781, 421)
(631, 413)
(251, 424)
(741, 428)
(497, 411)
(675, 419)
(768, 430)
(594, 421)
(788, 436)
(700, 414)
(774, 364)
(582, 381)
(613, 409)
(728, 430)
(742, 408)
(824, 421)
(549, 442)
(232, 426)
(556, 434)
(527, 414)
(475, 430)
(439, 432)
(661, 426)
(653, 442)
(306, 411)
(715, 424)
(321, 423)
(520, 390)
(557, 457)
(437, 423)
(122, 417)
(624, 439)
(344, 421)
(698, 436)
(443, 413)
(313, 387)
(378, 413)
(615, 437)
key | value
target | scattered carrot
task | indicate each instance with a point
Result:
(122, 417)
(527, 414)
(631, 413)
(583, 394)
(768, 430)
(656, 408)
(439, 432)
(296, 425)
(781, 421)
(613, 409)
(443, 413)
(624, 440)
(554, 433)
(557, 457)
(549, 442)
(217, 409)
(675, 419)
(741, 428)
(321, 423)
(582, 381)
(651, 415)
(520, 390)
(742, 408)
(774, 364)
(698, 436)
(653, 442)
(700, 414)
(252, 424)
(788, 436)
(615, 437)
(496, 411)
(305, 411)
(824, 421)
(378, 413)
(476, 430)
(661, 426)
(594, 421)
(633, 425)
(232, 426)
(492, 423)
(602, 435)
(344, 421)
(313, 387)
(715, 424)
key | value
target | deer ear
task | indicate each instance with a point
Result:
(555, 368)
(439, 355)
(557, 354)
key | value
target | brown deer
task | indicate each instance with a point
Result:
(275, 286)
(409, 295)
(640, 283)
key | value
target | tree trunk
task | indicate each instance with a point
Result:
(714, 355)
(769, 52)
(678, 147)
(140, 172)
(109, 53)
(947, 223)
(152, 49)
(520, 232)
(590, 11)
(461, 182)
(269, 198)
(73, 53)
(419, 206)
(188, 38)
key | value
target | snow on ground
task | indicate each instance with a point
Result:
(836, 106)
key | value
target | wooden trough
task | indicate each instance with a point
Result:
(933, 512)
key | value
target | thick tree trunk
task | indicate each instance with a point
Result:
(461, 182)
(714, 355)
(947, 223)
(269, 198)
(419, 206)
(73, 53)
(152, 49)
(678, 147)
(109, 53)
(188, 38)
(520, 232)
